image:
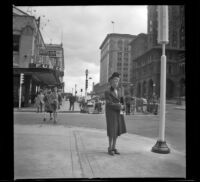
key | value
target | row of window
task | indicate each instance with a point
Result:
(16, 39)
(120, 64)
(119, 54)
(171, 69)
(150, 58)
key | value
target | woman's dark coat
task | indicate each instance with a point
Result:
(114, 120)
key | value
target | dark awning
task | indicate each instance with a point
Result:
(43, 75)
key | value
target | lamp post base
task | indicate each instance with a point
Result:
(160, 147)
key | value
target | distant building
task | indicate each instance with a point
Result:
(146, 54)
(31, 58)
(115, 57)
(56, 56)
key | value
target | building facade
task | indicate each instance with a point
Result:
(146, 55)
(115, 57)
(30, 58)
(56, 57)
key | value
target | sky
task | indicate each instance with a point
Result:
(82, 29)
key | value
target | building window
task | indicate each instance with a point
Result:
(126, 48)
(125, 75)
(52, 53)
(119, 59)
(119, 54)
(126, 59)
(119, 64)
(174, 39)
(119, 43)
(126, 45)
(125, 55)
(16, 39)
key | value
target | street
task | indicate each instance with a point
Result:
(143, 125)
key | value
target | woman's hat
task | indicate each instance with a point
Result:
(115, 74)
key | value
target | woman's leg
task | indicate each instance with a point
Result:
(110, 142)
(114, 142)
(114, 146)
(44, 116)
(55, 116)
(110, 152)
(40, 107)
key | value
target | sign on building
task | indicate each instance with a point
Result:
(43, 52)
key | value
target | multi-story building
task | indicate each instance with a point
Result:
(30, 58)
(115, 57)
(146, 55)
(56, 56)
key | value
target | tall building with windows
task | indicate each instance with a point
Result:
(146, 55)
(115, 57)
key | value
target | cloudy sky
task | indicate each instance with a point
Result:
(82, 29)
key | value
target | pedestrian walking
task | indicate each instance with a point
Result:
(59, 99)
(47, 104)
(155, 104)
(54, 103)
(114, 120)
(37, 102)
(128, 105)
(71, 102)
(133, 105)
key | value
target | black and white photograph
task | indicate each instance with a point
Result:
(99, 91)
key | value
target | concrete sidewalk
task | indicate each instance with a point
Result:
(55, 151)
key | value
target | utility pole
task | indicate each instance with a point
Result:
(161, 146)
(113, 25)
(86, 83)
(75, 90)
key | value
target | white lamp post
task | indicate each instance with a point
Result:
(20, 89)
(161, 146)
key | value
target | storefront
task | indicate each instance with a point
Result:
(34, 80)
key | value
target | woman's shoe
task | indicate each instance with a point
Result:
(110, 152)
(116, 151)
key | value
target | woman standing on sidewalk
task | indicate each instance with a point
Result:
(114, 119)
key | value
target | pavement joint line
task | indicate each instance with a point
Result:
(72, 164)
(79, 157)
(84, 150)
